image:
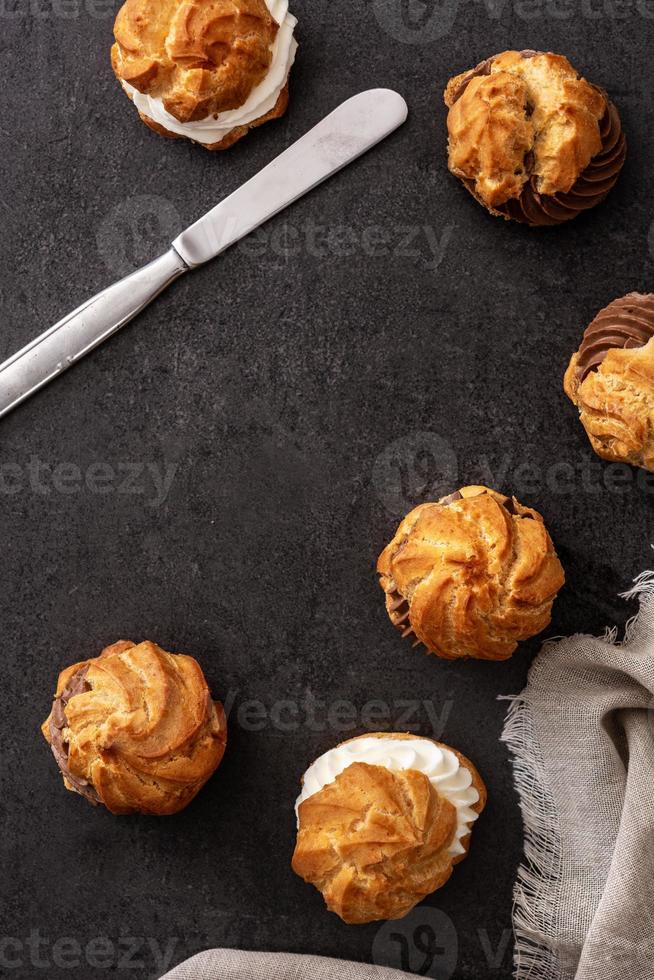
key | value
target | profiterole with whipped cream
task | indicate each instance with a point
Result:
(382, 820)
(205, 70)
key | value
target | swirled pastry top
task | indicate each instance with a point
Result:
(382, 820)
(136, 729)
(470, 575)
(532, 139)
(198, 58)
(441, 765)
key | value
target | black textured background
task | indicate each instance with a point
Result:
(382, 342)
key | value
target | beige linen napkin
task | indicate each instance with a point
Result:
(233, 964)
(582, 733)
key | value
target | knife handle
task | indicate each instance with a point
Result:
(67, 341)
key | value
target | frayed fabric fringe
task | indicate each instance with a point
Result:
(535, 888)
(538, 880)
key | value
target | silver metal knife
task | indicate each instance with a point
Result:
(341, 137)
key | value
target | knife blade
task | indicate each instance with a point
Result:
(339, 139)
(345, 134)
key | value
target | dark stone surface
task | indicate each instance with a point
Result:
(384, 325)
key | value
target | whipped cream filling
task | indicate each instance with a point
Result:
(261, 100)
(442, 767)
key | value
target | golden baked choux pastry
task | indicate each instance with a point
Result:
(470, 575)
(382, 820)
(531, 139)
(611, 381)
(205, 70)
(136, 729)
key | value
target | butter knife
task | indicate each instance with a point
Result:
(341, 137)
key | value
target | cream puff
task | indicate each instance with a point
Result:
(382, 820)
(610, 379)
(205, 70)
(470, 575)
(531, 139)
(136, 729)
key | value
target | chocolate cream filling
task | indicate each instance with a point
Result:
(625, 323)
(506, 502)
(590, 188)
(58, 724)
